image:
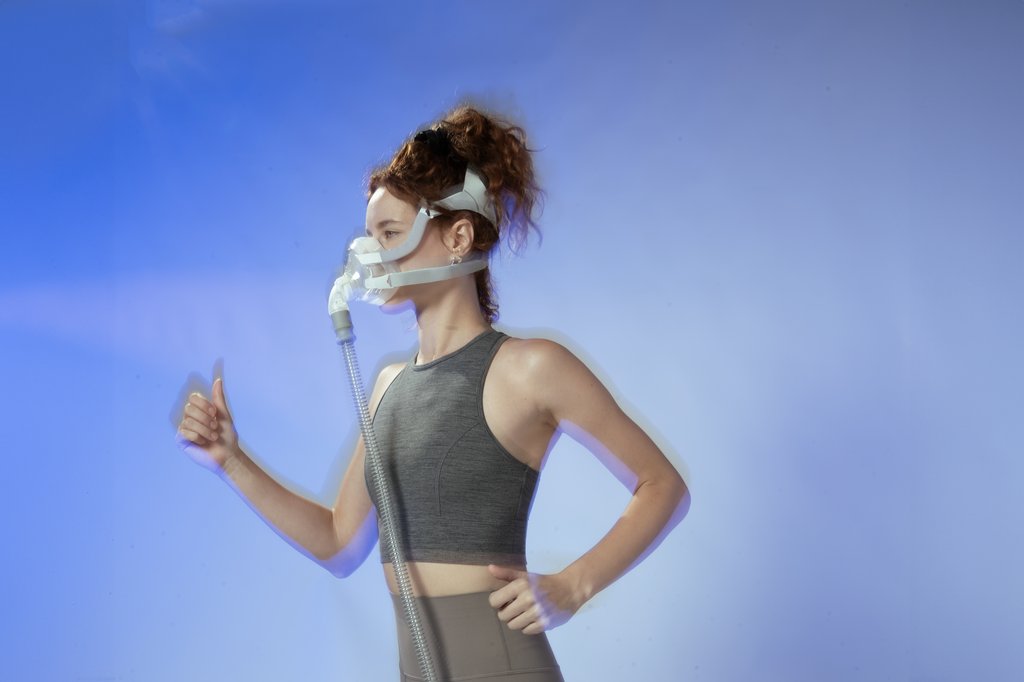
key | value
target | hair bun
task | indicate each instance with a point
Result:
(437, 139)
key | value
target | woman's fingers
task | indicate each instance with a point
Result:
(527, 604)
(200, 419)
(187, 434)
(516, 604)
(530, 615)
(199, 427)
(509, 592)
(536, 627)
(200, 416)
(519, 606)
(202, 404)
(205, 430)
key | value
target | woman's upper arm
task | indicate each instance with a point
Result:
(579, 404)
(355, 523)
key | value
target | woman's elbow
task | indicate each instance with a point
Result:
(344, 562)
(353, 552)
(681, 495)
(680, 486)
(342, 570)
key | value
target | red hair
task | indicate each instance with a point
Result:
(498, 150)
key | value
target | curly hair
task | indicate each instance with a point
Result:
(497, 148)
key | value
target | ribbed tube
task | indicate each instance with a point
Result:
(389, 532)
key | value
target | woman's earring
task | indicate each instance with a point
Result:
(456, 259)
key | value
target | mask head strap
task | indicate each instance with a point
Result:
(470, 196)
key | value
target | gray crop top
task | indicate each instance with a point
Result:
(460, 496)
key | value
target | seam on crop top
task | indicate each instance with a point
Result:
(519, 498)
(440, 466)
(480, 403)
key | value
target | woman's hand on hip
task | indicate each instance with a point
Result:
(533, 602)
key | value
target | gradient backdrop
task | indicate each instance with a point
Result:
(787, 235)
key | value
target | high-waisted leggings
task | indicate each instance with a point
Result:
(469, 642)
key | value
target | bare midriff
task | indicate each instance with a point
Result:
(441, 580)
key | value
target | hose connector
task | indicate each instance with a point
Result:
(337, 307)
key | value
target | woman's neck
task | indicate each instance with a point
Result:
(447, 325)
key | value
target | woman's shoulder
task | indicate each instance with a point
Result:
(388, 374)
(385, 378)
(545, 374)
(533, 357)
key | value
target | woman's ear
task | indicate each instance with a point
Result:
(459, 239)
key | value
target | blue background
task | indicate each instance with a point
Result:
(787, 235)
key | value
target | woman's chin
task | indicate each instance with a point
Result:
(396, 304)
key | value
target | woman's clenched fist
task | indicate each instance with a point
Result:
(206, 431)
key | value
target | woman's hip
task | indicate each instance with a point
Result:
(468, 641)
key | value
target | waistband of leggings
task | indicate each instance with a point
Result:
(406, 677)
(443, 597)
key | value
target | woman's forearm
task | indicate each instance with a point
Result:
(650, 514)
(303, 523)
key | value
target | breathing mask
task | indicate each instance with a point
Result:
(371, 273)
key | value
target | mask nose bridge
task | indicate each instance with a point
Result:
(408, 245)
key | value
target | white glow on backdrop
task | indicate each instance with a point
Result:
(787, 236)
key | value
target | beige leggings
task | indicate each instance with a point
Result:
(469, 642)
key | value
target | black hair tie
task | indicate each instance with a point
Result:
(438, 140)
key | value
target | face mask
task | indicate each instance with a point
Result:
(353, 285)
(371, 272)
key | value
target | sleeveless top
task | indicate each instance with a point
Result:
(459, 495)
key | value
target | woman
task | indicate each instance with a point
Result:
(464, 428)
